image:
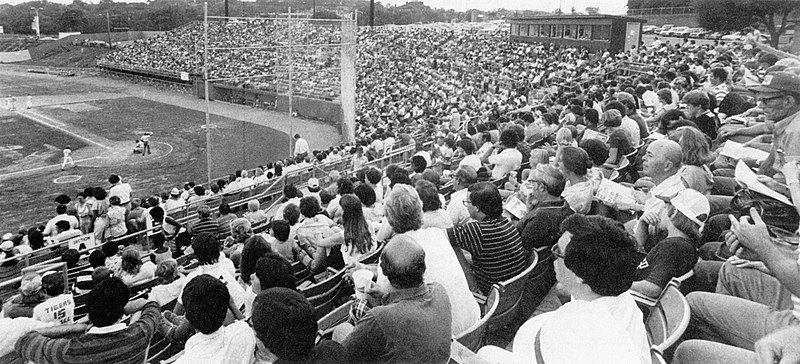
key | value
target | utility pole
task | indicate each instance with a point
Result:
(108, 28)
(371, 13)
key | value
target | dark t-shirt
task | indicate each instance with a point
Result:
(670, 258)
(618, 139)
(540, 227)
(707, 123)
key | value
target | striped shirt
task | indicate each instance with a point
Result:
(207, 225)
(128, 345)
(496, 248)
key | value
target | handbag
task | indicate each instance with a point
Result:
(779, 217)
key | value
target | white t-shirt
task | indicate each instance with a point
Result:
(471, 160)
(166, 293)
(300, 146)
(59, 310)
(123, 191)
(510, 159)
(443, 268)
(146, 271)
(631, 131)
(219, 271)
(232, 344)
(587, 329)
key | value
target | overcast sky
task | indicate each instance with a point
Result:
(606, 6)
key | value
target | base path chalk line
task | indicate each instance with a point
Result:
(49, 122)
(2, 176)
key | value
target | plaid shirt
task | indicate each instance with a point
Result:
(358, 310)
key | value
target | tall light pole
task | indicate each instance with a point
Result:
(108, 28)
(35, 24)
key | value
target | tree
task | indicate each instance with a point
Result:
(735, 15)
(72, 20)
(592, 10)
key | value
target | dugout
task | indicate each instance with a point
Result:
(595, 32)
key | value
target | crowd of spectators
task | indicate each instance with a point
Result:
(616, 189)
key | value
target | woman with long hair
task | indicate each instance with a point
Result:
(355, 236)
(696, 155)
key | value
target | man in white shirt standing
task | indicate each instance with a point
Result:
(61, 211)
(122, 190)
(300, 147)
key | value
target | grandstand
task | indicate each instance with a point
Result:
(445, 97)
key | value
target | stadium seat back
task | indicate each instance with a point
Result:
(372, 258)
(327, 323)
(322, 295)
(510, 292)
(669, 318)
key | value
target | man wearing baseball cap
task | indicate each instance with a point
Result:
(30, 295)
(683, 217)
(779, 97)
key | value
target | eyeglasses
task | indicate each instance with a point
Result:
(557, 252)
(767, 99)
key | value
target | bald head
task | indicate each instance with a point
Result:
(403, 262)
(663, 159)
(670, 150)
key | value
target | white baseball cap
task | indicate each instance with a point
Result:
(691, 204)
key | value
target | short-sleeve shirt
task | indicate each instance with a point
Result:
(510, 159)
(126, 345)
(671, 257)
(59, 309)
(619, 139)
(496, 248)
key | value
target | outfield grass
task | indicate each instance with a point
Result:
(22, 86)
(29, 144)
(123, 120)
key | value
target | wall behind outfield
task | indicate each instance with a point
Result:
(329, 112)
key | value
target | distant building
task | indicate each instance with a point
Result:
(594, 32)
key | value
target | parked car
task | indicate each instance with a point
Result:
(734, 37)
(681, 32)
(674, 31)
(649, 29)
(699, 33)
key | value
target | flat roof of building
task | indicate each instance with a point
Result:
(581, 16)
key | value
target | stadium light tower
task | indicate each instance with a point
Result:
(35, 24)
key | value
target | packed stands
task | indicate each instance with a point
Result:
(617, 184)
